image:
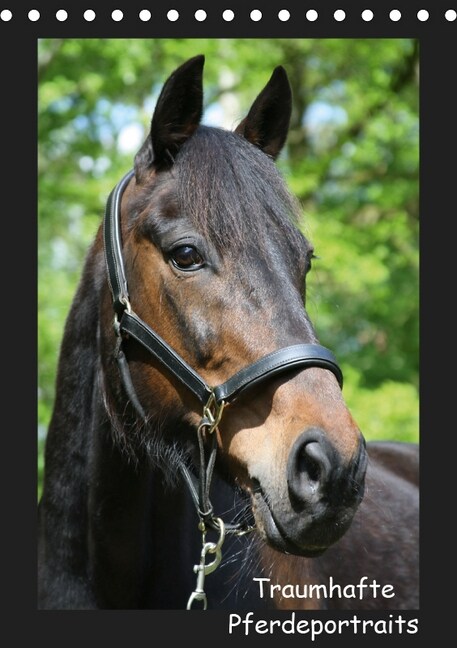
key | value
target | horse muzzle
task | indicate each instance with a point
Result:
(319, 500)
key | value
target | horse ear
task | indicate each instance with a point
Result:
(267, 122)
(176, 116)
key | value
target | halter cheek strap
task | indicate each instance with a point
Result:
(113, 246)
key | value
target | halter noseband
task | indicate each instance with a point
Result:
(213, 399)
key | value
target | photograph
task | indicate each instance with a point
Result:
(228, 327)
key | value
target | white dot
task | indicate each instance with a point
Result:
(228, 15)
(200, 15)
(6, 15)
(339, 15)
(145, 15)
(284, 15)
(367, 15)
(172, 15)
(89, 15)
(117, 15)
(311, 15)
(256, 15)
(395, 15)
(422, 15)
(34, 15)
(61, 15)
(450, 15)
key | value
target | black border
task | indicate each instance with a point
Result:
(438, 44)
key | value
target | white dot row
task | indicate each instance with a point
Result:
(228, 15)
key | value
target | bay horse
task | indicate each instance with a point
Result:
(198, 423)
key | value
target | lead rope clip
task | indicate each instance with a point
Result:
(202, 569)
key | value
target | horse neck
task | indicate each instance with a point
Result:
(64, 500)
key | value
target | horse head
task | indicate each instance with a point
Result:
(217, 267)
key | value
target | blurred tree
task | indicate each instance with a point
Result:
(351, 158)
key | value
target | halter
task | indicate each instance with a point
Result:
(214, 399)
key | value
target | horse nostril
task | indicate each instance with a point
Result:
(309, 466)
(310, 463)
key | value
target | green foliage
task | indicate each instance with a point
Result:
(351, 158)
(388, 412)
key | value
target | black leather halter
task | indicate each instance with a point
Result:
(127, 323)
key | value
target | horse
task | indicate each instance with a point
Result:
(200, 453)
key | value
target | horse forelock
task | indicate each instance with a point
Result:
(233, 192)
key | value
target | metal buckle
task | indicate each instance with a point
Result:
(124, 300)
(212, 414)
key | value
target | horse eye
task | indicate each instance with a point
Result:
(186, 257)
(310, 260)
